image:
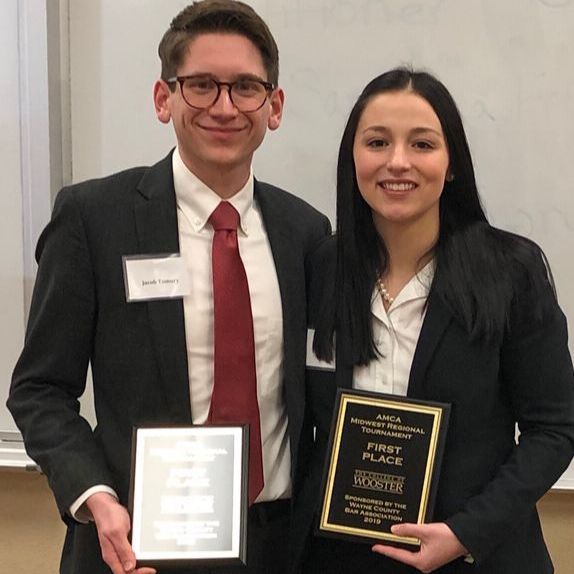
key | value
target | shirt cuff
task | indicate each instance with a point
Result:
(79, 511)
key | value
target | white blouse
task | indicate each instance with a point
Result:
(396, 332)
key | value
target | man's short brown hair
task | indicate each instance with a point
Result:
(212, 16)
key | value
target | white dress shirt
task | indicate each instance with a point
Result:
(396, 333)
(195, 204)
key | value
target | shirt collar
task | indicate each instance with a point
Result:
(197, 201)
(417, 288)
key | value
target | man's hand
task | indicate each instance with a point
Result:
(439, 546)
(113, 525)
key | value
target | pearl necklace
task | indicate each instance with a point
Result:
(384, 293)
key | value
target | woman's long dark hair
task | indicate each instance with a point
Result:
(473, 260)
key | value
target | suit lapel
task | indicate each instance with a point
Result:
(436, 321)
(157, 230)
(287, 266)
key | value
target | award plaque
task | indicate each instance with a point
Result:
(188, 496)
(383, 465)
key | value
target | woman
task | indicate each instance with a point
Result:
(426, 299)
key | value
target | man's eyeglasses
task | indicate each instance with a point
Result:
(201, 92)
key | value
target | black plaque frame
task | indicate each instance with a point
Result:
(383, 466)
(156, 491)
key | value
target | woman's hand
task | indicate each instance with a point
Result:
(438, 546)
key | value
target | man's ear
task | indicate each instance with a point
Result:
(161, 99)
(276, 101)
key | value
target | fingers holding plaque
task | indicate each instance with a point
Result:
(189, 495)
(383, 465)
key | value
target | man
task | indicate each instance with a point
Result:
(155, 357)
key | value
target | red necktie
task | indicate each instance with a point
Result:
(234, 398)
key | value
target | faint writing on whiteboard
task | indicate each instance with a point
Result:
(332, 102)
(480, 110)
(340, 13)
(541, 222)
(556, 3)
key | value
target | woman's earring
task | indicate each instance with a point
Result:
(450, 176)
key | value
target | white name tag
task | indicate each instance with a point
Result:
(312, 361)
(148, 277)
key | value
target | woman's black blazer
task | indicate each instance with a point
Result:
(489, 482)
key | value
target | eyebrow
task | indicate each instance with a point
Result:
(237, 77)
(415, 131)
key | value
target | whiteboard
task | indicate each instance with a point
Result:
(508, 65)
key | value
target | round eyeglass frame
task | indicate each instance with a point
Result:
(269, 87)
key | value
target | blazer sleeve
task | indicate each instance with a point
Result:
(50, 375)
(538, 382)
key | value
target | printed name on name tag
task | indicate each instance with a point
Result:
(149, 277)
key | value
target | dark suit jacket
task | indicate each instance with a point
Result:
(489, 485)
(137, 351)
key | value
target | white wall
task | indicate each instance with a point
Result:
(11, 233)
(27, 173)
